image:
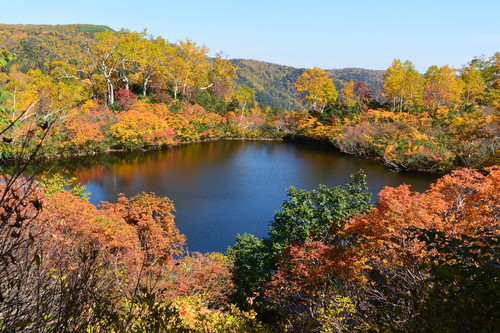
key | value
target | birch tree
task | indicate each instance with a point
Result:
(317, 87)
(403, 85)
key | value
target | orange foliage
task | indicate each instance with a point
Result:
(143, 125)
(199, 274)
(85, 125)
(460, 203)
(70, 218)
(152, 218)
(303, 273)
(311, 127)
(83, 131)
(192, 111)
(286, 122)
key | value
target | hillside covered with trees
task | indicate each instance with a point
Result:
(37, 45)
(274, 84)
(332, 261)
(130, 90)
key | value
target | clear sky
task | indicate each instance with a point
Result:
(308, 33)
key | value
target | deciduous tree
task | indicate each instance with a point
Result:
(347, 95)
(243, 97)
(403, 85)
(474, 84)
(442, 86)
(318, 88)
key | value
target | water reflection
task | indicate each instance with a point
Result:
(221, 189)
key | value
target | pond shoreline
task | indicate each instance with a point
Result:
(288, 138)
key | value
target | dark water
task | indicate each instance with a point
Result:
(224, 188)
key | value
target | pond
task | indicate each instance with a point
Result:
(224, 188)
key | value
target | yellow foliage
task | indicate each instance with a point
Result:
(347, 94)
(380, 115)
(442, 86)
(318, 88)
(137, 128)
(337, 315)
(88, 106)
(198, 317)
(306, 123)
(183, 129)
(403, 85)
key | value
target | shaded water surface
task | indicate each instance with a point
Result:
(224, 188)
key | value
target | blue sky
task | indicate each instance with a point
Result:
(309, 33)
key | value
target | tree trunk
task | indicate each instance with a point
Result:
(111, 92)
(145, 86)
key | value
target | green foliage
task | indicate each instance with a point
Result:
(338, 316)
(317, 214)
(212, 103)
(306, 215)
(56, 183)
(462, 291)
(5, 58)
(38, 45)
(140, 313)
(251, 271)
(244, 97)
(91, 28)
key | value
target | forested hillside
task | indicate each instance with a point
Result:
(274, 84)
(37, 45)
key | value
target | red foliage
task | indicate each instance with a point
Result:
(192, 111)
(304, 272)
(362, 91)
(125, 98)
(221, 89)
(161, 96)
(70, 218)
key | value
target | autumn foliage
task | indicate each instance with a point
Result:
(380, 255)
(332, 261)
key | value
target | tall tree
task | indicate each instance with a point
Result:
(103, 52)
(318, 88)
(442, 86)
(474, 84)
(150, 61)
(363, 93)
(403, 85)
(220, 75)
(188, 66)
(130, 42)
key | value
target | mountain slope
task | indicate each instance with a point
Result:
(274, 83)
(36, 45)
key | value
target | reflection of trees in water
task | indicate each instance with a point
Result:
(148, 167)
(191, 164)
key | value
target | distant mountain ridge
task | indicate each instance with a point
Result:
(274, 83)
(37, 45)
